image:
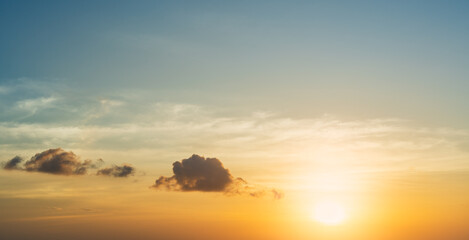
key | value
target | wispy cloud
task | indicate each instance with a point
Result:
(4, 90)
(33, 105)
(133, 122)
(56, 217)
(324, 140)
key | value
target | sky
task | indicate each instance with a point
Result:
(234, 119)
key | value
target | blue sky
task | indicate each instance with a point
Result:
(355, 60)
(244, 76)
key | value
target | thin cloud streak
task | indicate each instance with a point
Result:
(172, 128)
(49, 218)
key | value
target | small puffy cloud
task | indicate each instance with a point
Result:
(208, 175)
(13, 163)
(60, 162)
(198, 174)
(57, 161)
(117, 171)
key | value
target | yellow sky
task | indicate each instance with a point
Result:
(408, 204)
(390, 180)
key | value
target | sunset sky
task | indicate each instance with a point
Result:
(328, 120)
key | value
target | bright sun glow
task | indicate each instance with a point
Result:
(329, 213)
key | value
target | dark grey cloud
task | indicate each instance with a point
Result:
(13, 163)
(61, 162)
(57, 161)
(117, 171)
(208, 175)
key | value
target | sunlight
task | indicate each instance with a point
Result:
(329, 213)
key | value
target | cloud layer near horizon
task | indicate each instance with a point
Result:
(197, 173)
(60, 162)
(37, 114)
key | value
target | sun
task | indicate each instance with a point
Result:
(329, 213)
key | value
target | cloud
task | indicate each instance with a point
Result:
(208, 175)
(54, 161)
(13, 163)
(32, 105)
(4, 90)
(117, 171)
(60, 162)
(57, 161)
